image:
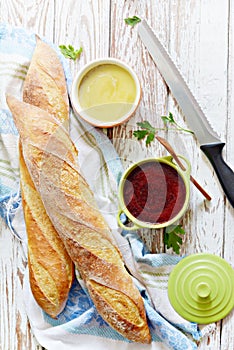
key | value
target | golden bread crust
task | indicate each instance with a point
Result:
(45, 83)
(51, 269)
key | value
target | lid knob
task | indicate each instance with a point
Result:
(203, 290)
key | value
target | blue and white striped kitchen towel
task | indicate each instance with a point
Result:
(79, 325)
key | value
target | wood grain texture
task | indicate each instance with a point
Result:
(85, 24)
(36, 16)
(200, 37)
(189, 47)
(227, 334)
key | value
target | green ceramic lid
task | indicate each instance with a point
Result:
(201, 288)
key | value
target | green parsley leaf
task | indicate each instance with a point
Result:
(149, 138)
(70, 52)
(146, 125)
(146, 130)
(132, 21)
(170, 120)
(172, 238)
(140, 134)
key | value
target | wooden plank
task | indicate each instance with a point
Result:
(192, 44)
(36, 17)
(126, 46)
(227, 335)
(83, 23)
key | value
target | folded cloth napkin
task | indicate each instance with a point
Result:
(79, 325)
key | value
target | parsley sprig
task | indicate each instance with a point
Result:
(132, 21)
(170, 120)
(69, 51)
(172, 238)
(146, 130)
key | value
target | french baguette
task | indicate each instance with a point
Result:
(51, 269)
(71, 207)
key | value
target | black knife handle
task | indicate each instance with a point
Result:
(223, 171)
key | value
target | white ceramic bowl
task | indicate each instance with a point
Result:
(118, 113)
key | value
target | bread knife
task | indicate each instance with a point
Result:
(209, 141)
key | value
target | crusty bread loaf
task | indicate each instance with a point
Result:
(71, 207)
(51, 269)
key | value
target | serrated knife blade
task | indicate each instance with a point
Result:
(198, 123)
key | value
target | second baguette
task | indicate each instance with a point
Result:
(50, 267)
(71, 207)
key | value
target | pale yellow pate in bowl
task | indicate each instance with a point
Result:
(105, 92)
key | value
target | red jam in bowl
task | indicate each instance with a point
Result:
(154, 192)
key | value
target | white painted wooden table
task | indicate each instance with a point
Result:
(199, 34)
